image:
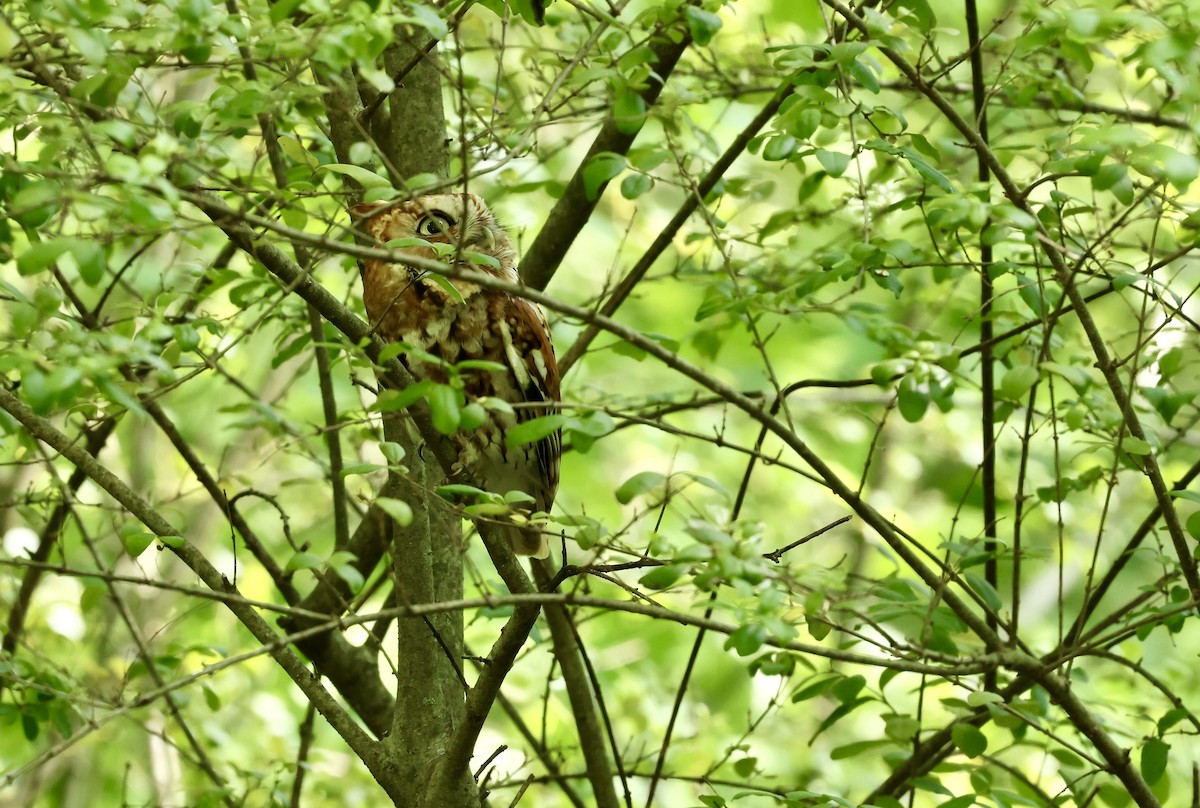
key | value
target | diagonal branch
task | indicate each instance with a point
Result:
(1065, 276)
(575, 207)
(664, 238)
(48, 539)
(355, 328)
(354, 735)
(303, 284)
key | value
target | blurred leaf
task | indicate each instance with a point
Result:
(398, 509)
(635, 185)
(640, 483)
(704, 25)
(364, 177)
(443, 407)
(534, 429)
(135, 538)
(1154, 760)
(970, 741)
(834, 163)
(304, 561)
(629, 111)
(599, 170)
(746, 639)
(661, 577)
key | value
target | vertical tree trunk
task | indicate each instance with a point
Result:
(409, 128)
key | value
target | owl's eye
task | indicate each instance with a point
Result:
(434, 224)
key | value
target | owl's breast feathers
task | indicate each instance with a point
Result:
(416, 308)
(490, 325)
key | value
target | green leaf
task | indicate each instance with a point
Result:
(703, 25)
(780, 147)
(746, 639)
(472, 416)
(834, 163)
(1076, 376)
(443, 408)
(91, 44)
(837, 715)
(282, 9)
(855, 749)
(635, 185)
(912, 400)
(1067, 758)
(661, 577)
(1181, 168)
(135, 538)
(89, 257)
(629, 112)
(1193, 526)
(398, 509)
(865, 76)
(364, 177)
(291, 350)
(485, 365)
(174, 542)
(849, 687)
(480, 258)
(348, 573)
(1171, 718)
(639, 484)
(360, 468)
(916, 161)
(519, 498)
(211, 699)
(1136, 446)
(816, 687)
(599, 170)
(901, 727)
(1017, 382)
(303, 561)
(969, 739)
(985, 590)
(41, 255)
(34, 204)
(448, 286)
(534, 429)
(392, 400)
(1154, 760)
(1109, 175)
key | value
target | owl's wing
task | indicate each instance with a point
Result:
(529, 353)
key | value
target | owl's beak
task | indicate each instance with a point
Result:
(489, 239)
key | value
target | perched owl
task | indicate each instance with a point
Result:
(406, 305)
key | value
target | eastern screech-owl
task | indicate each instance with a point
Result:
(405, 304)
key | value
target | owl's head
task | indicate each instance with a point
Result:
(460, 220)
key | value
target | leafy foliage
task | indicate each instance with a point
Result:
(826, 290)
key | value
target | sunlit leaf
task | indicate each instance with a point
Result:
(534, 429)
(968, 738)
(638, 484)
(599, 170)
(398, 509)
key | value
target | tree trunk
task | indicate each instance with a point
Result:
(409, 129)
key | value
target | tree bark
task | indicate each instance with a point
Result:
(409, 129)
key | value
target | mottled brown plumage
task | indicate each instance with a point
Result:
(407, 305)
